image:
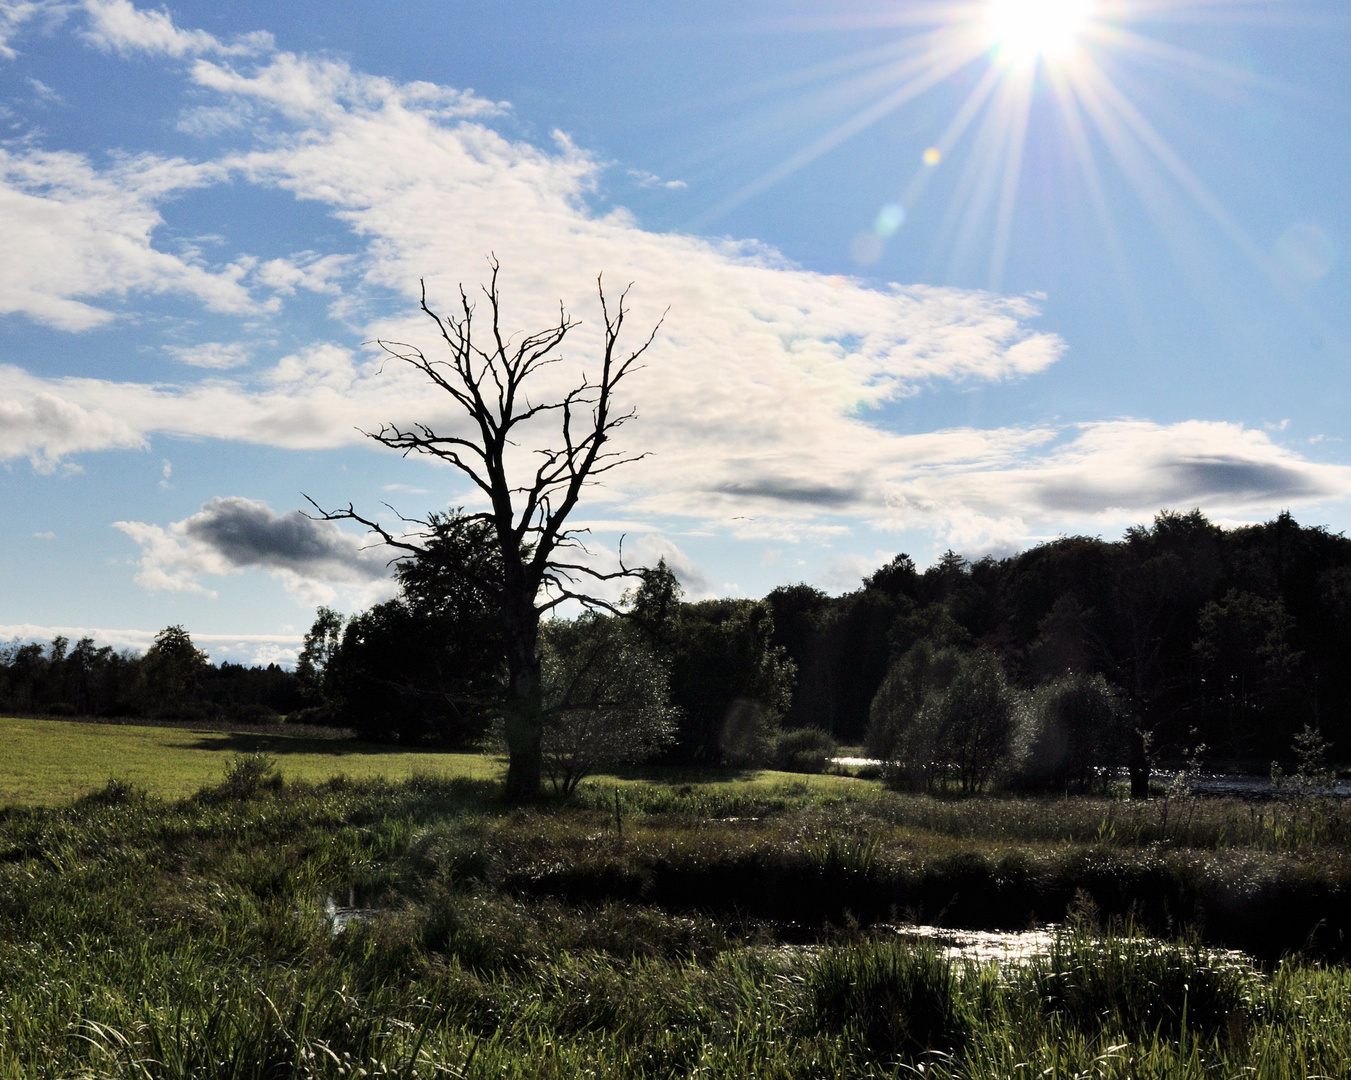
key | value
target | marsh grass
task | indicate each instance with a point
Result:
(147, 938)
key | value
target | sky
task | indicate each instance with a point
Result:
(930, 274)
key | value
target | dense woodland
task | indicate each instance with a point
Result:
(1178, 637)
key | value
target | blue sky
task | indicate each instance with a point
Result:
(939, 274)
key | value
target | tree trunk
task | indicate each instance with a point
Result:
(1139, 766)
(524, 714)
(523, 765)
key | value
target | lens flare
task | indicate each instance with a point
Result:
(890, 218)
(1024, 31)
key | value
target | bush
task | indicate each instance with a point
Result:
(246, 776)
(606, 699)
(747, 736)
(804, 750)
(60, 708)
(923, 668)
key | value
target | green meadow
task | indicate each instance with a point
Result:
(45, 762)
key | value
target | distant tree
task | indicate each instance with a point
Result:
(322, 642)
(1073, 732)
(926, 667)
(491, 379)
(606, 699)
(427, 665)
(172, 668)
(731, 682)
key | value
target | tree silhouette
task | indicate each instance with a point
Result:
(489, 376)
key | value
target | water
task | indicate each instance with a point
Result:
(1228, 785)
(340, 915)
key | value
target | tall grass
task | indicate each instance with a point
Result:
(152, 939)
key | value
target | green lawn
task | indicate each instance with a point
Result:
(45, 762)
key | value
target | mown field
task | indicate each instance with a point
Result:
(46, 762)
(716, 926)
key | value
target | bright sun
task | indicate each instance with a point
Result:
(1025, 30)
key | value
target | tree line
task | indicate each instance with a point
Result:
(173, 679)
(1075, 656)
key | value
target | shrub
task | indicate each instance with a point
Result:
(246, 775)
(804, 750)
(746, 739)
(921, 669)
(606, 699)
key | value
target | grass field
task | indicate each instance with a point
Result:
(46, 762)
(717, 930)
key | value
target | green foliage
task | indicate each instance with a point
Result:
(902, 1000)
(606, 700)
(731, 682)
(246, 776)
(804, 750)
(1072, 732)
(427, 666)
(963, 726)
(170, 673)
(922, 669)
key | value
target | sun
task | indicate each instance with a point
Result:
(1025, 31)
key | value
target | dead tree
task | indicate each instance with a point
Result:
(529, 500)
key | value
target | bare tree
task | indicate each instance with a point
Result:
(486, 374)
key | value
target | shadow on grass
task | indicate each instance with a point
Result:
(238, 742)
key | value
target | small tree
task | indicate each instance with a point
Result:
(489, 376)
(961, 729)
(920, 670)
(1071, 732)
(606, 700)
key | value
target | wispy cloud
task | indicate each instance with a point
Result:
(211, 354)
(119, 26)
(75, 233)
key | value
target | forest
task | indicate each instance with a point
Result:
(1181, 640)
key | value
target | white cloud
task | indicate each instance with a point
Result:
(1113, 473)
(13, 14)
(44, 428)
(316, 273)
(757, 401)
(72, 232)
(119, 26)
(645, 179)
(211, 354)
(314, 559)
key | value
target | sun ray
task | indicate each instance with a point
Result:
(925, 79)
(1020, 107)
